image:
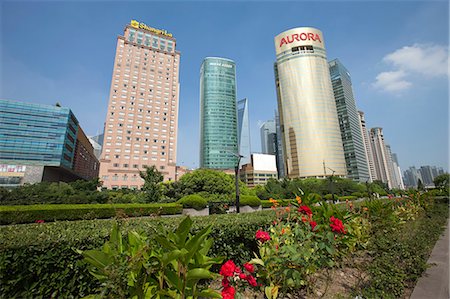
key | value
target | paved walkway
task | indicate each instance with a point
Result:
(434, 283)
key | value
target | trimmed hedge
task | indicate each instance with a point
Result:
(39, 261)
(249, 200)
(349, 197)
(193, 201)
(31, 213)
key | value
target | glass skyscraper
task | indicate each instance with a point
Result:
(354, 151)
(312, 144)
(218, 116)
(243, 131)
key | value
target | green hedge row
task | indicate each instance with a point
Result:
(39, 261)
(281, 202)
(32, 213)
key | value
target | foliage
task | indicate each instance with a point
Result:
(442, 182)
(345, 198)
(193, 201)
(152, 183)
(170, 267)
(32, 213)
(281, 202)
(249, 200)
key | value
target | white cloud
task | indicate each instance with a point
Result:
(426, 60)
(392, 81)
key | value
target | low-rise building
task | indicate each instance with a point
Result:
(261, 168)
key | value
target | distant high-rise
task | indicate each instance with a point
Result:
(312, 144)
(367, 146)
(381, 156)
(394, 169)
(243, 131)
(268, 133)
(218, 117)
(279, 147)
(142, 119)
(349, 124)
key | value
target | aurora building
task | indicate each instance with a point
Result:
(312, 144)
(142, 118)
(218, 115)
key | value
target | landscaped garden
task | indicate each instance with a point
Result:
(301, 247)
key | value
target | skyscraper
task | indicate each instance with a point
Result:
(218, 117)
(381, 156)
(312, 144)
(142, 118)
(279, 147)
(268, 133)
(349, 124)
(367, 146)
(243, 131)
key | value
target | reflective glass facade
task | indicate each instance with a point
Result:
(352, 141)
(218, 116)
(312, 144)
(35, 134)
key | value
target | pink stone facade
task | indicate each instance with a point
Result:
(142, 118)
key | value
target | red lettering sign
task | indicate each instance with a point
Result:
(300, 37)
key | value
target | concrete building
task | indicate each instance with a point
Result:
(367, 146)
(312, 144)
(218, 115)
(381, 156)
(142, 118)
(243, 131)
(411, 177)
(42, 143)
(259, 171)
(268, 133)
(349, 124)
(394, 168)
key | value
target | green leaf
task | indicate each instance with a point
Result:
(198, 273)
(209, 293)
(183, 231)
(173, 255)
(97, 258)
(257, 261)
(116, 238)
(165, 243)
(173, 279)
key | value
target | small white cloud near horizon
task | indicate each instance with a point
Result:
(427, 60)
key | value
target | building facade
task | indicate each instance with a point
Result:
(268, 133)
(367, 146)
(261, 168)
(349, 124)
(42, 143)
(279, 147)
(381, 156)
(218, 117)
(243, 131)
(142, 118)
(312, 144)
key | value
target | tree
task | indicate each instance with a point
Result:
(152, 183)
(420, 185)
(207, 180)
(442, 181)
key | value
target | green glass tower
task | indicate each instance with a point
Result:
(218, 117)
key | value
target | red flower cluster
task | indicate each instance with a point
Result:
(262, 236)
(39, 221)
(229, 269)
(313, 224)
(305, 210)
(336, 225)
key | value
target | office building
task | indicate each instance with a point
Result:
(279, 147)
(381, 156)
(367, 146)
(349, 124)
(142, 118)
(218, 117)
(261, 168)
(42, 143)
(394, 169)
(312, 144)
(268, 133)
(243, 131)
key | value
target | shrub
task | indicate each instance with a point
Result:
(249, 200)
(358, 194)
(349, 197)
(193, 201)
(31, 213)
(330, 197)
(281, 202)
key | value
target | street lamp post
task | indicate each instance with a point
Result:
(236, 179)
(331, 183)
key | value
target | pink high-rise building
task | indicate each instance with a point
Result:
(142, 119)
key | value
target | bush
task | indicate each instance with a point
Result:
(249, 200)
(281, 202)
(31, 213)
(345, 198)
(38, 260)
(193, 201)
(330, 197)
(358, 194)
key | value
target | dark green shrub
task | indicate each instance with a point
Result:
(358, 194)
(249, 200)
(193, 201)
(31, 213)
(330, 197)
(349, 198)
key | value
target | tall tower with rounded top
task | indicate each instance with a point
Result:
(309, 122)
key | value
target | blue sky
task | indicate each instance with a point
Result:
(396, 53)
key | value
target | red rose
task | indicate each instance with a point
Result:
(249, 267)
(262, 236)
(225, 282)
(228, 292)
(242, 276)
(252, 281)
(227, 269)
(336, 225)
(313, 224)
(305, 210)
